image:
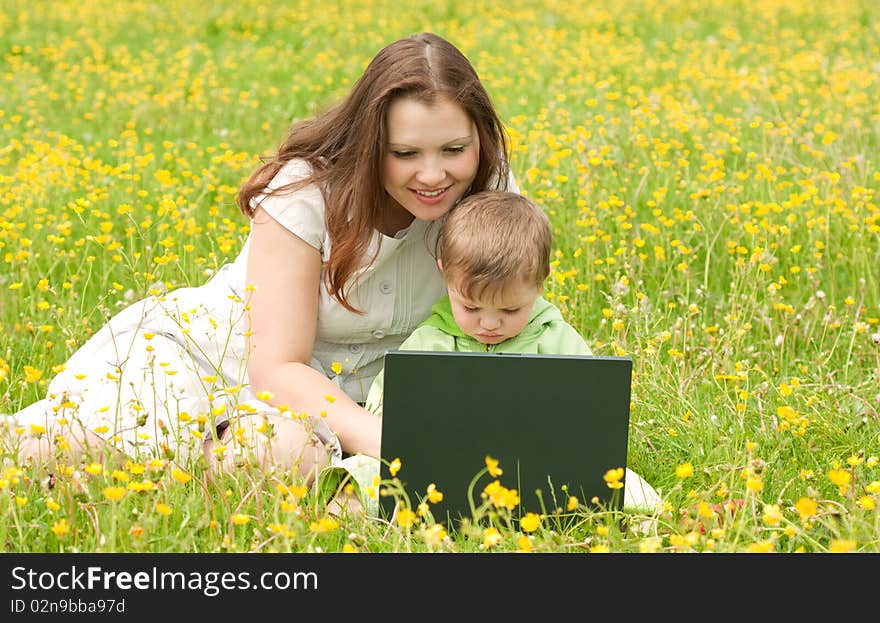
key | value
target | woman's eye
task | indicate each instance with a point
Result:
(403, 154)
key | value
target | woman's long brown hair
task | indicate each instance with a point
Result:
(346, 144)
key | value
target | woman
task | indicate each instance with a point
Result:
(278, 350)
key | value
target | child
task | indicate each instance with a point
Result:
(494, 254)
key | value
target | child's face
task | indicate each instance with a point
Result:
(493, 318)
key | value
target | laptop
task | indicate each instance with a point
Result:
(555, 424)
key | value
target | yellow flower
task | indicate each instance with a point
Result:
(52, 505)
(61, 528)
(325, 524)
(277, 528)
(806, 508)
(435, 534)
(501, 496)
(336, 367)
(786, 413)
(772, 514)
(613, 475)
(120, 475)
(524, 544)
(239, 519)
(144, 485)
(754, 483)
(491, 537)
(761, 547)
(572, 503)
(163, 509)
(348, 548)
(180, 476)
(114, 493)
(841, 546)
(405, 518)
(94, 468)
(854, 460)
(492, 466)
(37, 429)
(530, 522)
(434, 496)
(394, 467)
(705, 510)
(651, 545)
(867, 502)
(839, 477)
(685, 470)
(32, 375)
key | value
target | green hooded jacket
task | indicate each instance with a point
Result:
(546, 333)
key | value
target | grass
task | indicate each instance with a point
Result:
(709, 170)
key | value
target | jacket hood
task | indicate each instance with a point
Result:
(543, 313)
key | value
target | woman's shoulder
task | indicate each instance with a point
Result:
(295, 170)
(300, 209)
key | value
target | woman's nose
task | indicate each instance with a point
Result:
(431, 175)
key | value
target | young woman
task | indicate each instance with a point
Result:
(278, 350)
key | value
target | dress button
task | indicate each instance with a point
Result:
(355, 348)
(378, 334)
(386, 287)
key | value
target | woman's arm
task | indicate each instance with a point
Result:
(285, 273)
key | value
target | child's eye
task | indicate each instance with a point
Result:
(471, 309)
(511, 311)
(403, 154)
(457, 149)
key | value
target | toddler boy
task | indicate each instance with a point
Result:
(494, 253)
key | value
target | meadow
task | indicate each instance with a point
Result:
(710, 170)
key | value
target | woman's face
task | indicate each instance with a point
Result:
(432, 156)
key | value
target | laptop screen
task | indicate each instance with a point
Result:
(554, 423)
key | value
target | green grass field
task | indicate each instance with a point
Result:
(710, 170)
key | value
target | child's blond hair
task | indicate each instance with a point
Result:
(492, 239)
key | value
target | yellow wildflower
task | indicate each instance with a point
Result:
(394, 467)
(806, 507)
(61, 528)
(491, 537)
(434, 496)
(492, 466)
(685, 470)
(114, 493)
(530, 522)
(405, 518)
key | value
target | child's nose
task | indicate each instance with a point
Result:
(490, 322)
